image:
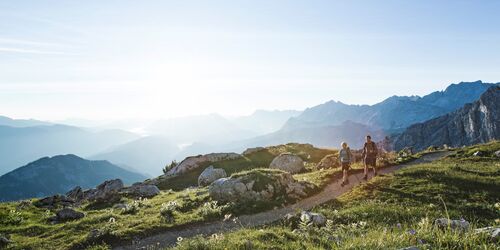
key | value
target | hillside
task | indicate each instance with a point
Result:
(21, 145)
(146, 155)
(396, 211)
(59, 174)
(355, 220)
(474, 123)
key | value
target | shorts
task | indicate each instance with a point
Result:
(371, 162)
(345, 165)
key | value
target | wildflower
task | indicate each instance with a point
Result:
(432, 205)
(398, 225)
(412, 232)
(227, 217)
(362, 223)
(179, 239)
(236, 220)
(497, 205)
(420, 241)
(112, 220)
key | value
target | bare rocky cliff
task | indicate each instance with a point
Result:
(476, 122)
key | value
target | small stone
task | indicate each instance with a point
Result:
(68, 214)
(479, 153)
(453, 224)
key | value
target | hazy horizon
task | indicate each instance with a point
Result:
(119, 60)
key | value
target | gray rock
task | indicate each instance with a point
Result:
(493, 232)
(329, 161)
(410, 248)
(259, 185)
(315, 218)
(120, 206)
(497, 153)
(66, 214)
(4, 240)
(288, 162)
(194, 162)
(250, 151)
(142, 190)
(479, 153)
(54, 201)
(209, 175)
(76, 193)
(453, 224)
(104, 191)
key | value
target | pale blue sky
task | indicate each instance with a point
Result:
(127, 59)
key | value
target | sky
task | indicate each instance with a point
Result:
(120, 59)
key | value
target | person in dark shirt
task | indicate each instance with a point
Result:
(370, 152)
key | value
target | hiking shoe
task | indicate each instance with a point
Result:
(342, 184)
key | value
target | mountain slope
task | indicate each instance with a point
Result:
(21, 145)
(147, 155)
(395, 112)
(474, 123)
(6, 121)
(321, 136)
(59, 174)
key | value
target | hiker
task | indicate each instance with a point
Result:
(345, 158)
(370, 156)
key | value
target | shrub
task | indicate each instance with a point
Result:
(211, 210)
(173, 164)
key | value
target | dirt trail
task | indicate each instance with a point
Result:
(330, 192)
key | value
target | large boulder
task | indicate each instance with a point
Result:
(194, 162)
(76, 193)
(209, 175)
(329, 161)
(104, 191)
(142, 190)
(288, 162)
(259, 185)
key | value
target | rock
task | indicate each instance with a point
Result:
(67, 214)
(329, 161)
(120, 206)
(250, 151)
(209, 175)
(75, 193)
(288, 162)
(104, 191)
(54, 201)
(257, 185)
(194, 162)
(4, 240)
(497, 153)
(493, 232)
(315, 218)
(453, 224)
(410, 248)
(479, 153)
(142, 190)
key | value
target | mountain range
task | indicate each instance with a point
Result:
(474, 123)
(59, 174)
(434, 119)
(331, 123)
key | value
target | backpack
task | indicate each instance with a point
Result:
(345, 155)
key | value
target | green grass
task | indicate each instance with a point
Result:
(392, 212)
(260, 159)
(33, 231)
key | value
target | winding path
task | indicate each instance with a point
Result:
(330, 192)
